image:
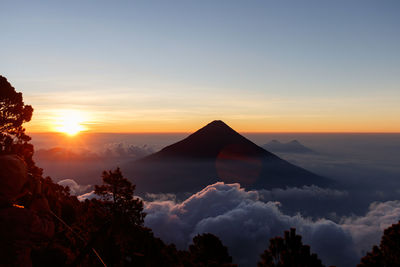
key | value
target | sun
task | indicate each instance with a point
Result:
(70, 122)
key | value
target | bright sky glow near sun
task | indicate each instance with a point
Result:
(172, 66)
(69, 122)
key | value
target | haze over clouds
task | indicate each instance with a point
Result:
(302, 192)
(85, 163)
(113, 150)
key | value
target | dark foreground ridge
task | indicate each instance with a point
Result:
(214, 153)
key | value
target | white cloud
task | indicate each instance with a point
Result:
(89, 196)
(367, 230)
(75, 188)
(245, 224)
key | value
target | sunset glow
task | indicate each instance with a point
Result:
(70, 122)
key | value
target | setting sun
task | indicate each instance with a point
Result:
(70, 122)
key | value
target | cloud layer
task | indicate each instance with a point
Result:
(245, 223)
(110, 150)
(368, 229)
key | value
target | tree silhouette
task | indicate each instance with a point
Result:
(288, 252)
(117, 193)
(208, 250)
(114, 226)
(13, 113)
(388, 252)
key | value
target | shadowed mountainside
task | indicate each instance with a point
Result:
(215, 153)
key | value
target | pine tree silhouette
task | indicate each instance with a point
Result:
(388, 252)
(288, 252)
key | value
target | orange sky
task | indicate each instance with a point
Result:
(271, 124)
(127, 111)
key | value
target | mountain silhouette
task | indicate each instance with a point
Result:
(215, 153)
(293, 146)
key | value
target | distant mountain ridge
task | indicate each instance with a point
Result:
(293, 146)
(215, 153)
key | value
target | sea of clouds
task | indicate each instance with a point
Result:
(246, 220)
(340, 224)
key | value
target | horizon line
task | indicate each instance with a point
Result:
(244, 132)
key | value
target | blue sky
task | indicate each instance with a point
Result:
(164, 65)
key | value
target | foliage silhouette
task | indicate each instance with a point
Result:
(13, 113)
(117, 194)
(388, 252)
(288, 252)
(208, 250)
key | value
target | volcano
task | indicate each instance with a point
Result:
(215, 153)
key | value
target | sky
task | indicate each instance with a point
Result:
(173, 66)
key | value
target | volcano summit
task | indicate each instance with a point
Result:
(215, 153)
